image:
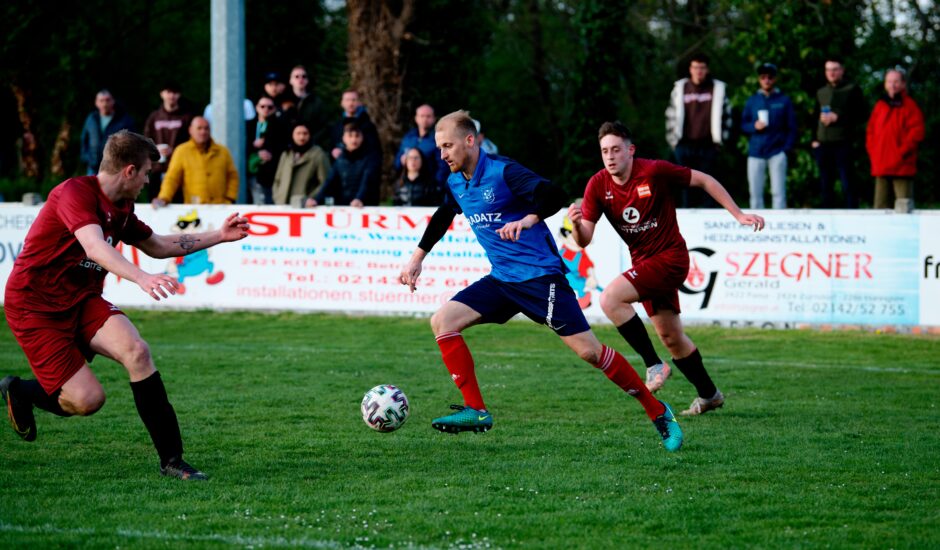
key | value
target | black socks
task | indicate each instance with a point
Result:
(693, 369)
(155, 410)
(33, 392)
(634, 332)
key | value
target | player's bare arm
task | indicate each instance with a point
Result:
(582, 229)
(234, 228)
(437, 226)
(101, 252)
(412, 270)
(720, 194)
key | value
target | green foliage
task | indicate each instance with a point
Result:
(826, 440)
(541, 75)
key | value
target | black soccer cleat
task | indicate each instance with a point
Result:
(178, 468)
(20, 412)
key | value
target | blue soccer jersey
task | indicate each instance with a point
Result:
(502, 191)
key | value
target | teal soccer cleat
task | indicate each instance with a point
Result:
(669, 429)
(465, 419)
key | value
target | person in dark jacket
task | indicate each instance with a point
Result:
(105, 121)
(416, 187)
(840, 112)
(770, 120)
(168, 127)
(354, 178)
(355, 111)
(266, 137)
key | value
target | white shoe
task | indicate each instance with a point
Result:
(701, 405)
(656, 376)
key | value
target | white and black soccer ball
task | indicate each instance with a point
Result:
(385, 408)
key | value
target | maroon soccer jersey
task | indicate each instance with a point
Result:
(53, 273)
(642, 211)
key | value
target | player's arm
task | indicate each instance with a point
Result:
(546, 198)
(720, 194)
(581, 229)
(102, 253)
(234, 228)
(437, 227)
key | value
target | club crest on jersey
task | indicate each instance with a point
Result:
(631, 215)
(489, 195)
(643, 191)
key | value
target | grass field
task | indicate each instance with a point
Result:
(826, 440)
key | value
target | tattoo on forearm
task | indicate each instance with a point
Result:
(187, 242)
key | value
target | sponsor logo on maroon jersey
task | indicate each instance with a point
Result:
(631, 215)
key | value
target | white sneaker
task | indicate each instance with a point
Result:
(656, 376)
(701, 405)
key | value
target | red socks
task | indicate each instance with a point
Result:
(616, 367)
(459, 362)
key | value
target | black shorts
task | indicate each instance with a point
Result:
(547, 300)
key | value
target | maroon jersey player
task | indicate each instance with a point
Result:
(54, 306)
(635, 197)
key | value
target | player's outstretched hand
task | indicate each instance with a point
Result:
(158, 286)
(234, 228)
(410, 273)
(513, 230)
(574, 213)
(752, 219)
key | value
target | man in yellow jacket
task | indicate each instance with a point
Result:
(203, 168)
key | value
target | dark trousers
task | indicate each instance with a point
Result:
(702, 157)
(835, 159)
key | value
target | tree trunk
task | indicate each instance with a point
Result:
(376, 30)
(61, 147)
(28, 153)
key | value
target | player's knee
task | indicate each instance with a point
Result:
(440, 323)
(671, 340)
(609, 303)
(590, 354)
(88, 402)
(138, 355)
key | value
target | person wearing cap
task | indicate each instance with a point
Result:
(895, 129)
(168, 127)
(275, 87)
(769, 120)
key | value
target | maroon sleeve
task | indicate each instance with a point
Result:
(590, 207)
(77, 206)
(135, 230)
(672, 174)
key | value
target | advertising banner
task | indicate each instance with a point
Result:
(806, 267)
(928, 270)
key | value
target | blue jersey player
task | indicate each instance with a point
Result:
(505, 204)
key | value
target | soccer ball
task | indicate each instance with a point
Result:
(384, 408)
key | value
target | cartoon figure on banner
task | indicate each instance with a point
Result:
(196, 263)
(580, 267)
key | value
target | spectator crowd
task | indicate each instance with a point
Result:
(300, 153)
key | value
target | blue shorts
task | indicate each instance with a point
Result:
(547, 300)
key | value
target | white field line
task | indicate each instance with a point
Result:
(306, 350)
(232, 540)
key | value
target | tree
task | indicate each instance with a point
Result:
(376, 31)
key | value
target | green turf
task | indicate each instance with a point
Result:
(826, 440)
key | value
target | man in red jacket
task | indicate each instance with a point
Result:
(895, 129)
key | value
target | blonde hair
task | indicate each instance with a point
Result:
(462, 122)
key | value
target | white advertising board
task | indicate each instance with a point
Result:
(813, 267)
